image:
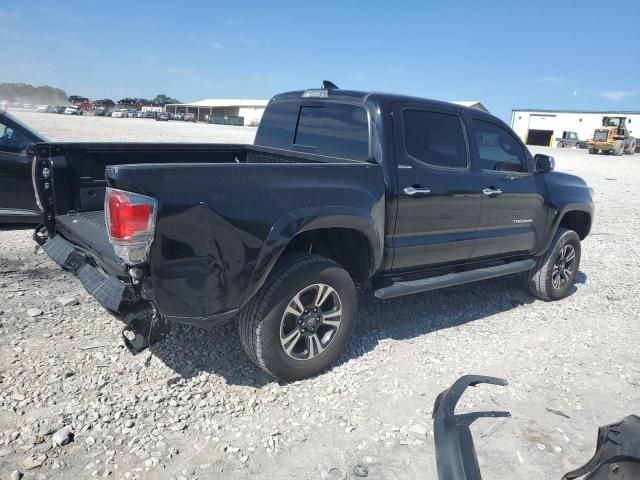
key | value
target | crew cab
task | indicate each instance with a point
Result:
(340, 188)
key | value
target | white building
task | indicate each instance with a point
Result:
(250, 110)
(542, 127)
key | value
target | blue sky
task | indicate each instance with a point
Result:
(507, 54)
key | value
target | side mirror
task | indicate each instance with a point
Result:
(544, 163)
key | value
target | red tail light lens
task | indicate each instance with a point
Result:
(130, 222)
(125, 218)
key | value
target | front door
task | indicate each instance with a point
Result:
(438, 193)
(16, 189)
(513, 218)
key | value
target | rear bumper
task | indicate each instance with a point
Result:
(110, 292)
(121, 298)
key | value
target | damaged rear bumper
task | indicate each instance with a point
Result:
(143, 325)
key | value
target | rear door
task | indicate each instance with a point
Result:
(513, 217)
(438, 193)
(17, 198)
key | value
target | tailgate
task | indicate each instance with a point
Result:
(88, 232)
(111, 292)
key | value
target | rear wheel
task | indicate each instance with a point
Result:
(556, 271)
(618, 147)
(593, 151)
(298, 324)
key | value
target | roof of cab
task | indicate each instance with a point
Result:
(361, 97)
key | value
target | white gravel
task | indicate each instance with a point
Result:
(195, 407)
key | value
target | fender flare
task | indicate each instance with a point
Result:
(569, 207)
(302, 220)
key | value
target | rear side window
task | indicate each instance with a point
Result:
(434, 138)
(277, 125)
(497, 149)
(335, 130)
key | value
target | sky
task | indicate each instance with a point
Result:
(506, 54)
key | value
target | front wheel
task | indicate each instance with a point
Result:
(299, 322)
(618, 147)
(631, 148)
(556, 271)
(593, 150)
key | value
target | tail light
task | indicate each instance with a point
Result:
(131, 221)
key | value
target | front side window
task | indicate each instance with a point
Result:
(334, 130)
(12, 141)
(497, 149)
(434, 138)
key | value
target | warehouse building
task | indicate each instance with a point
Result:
(249, 111)
(543, 127)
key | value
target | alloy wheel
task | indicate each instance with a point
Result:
(563, 266)
(310, 322)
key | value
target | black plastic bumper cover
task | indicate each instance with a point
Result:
(107, 289)
(455, 453)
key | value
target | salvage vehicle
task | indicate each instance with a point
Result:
(341, 188)
(613, 138)
(17, 196)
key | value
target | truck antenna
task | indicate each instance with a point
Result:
(326, 85)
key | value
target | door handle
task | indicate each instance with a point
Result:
(492, 192)
(411, 191)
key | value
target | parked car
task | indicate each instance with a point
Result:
(400, 194)
(42, 108)
(163, 117)
(119, 114)
(73, 111)
(17, 199)
(59, 109)
(177, 116)
(190, 117)
(100, 111)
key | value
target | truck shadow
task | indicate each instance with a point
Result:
(190, 351)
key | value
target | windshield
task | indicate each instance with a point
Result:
(611, 122)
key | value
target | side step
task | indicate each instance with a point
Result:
(416, 286)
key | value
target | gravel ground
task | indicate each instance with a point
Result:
(75, 404)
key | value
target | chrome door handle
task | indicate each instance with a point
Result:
(416, 191)
(492, 192)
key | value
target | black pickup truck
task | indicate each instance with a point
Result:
(341, 188)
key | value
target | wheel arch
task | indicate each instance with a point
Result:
(576, 217)
(328, 231)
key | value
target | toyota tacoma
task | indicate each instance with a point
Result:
(340, 189)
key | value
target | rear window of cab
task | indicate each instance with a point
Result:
(329, 129)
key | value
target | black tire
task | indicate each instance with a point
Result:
(540, 279)
(263, 319)
(559, 145)
(631, 148)
(593, 151)
(618, 147)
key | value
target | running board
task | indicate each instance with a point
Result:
(416, 286)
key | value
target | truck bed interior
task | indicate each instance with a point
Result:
(80, 183)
